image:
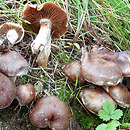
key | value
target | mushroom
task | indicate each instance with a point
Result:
(120, 94)
(13, 64)
(7, 91)
(99, 71)
(12, 32)
(50, 111)
(73, 69)
(25, 94)
(122, 59)
(93, 98)
(47, 20)
(99, 50)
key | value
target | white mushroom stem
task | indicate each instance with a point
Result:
(42, 42)
(12, 36)
(43, 36)
(44, 55)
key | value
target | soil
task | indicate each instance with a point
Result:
(11, 119)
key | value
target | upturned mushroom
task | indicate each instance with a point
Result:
(120, 94)
(48, 21)
(13, 64)
(25, 94)
(11, 32)
(99, 71)
(93, 98)
(7, 91)
(121, 59)
(50, 111)
(73, 69)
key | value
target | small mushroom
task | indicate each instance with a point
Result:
(122, 59)
(97, 50)
(48, 21)
(93, 98)
(50, 111)
(120, 94)
(12, 32)
(99, 71)
(25, 94)
(72, 69)
(7, 91)
(13, 64)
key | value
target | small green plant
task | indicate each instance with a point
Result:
(84, 120)
(109, 113)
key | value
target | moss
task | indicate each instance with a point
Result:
(86, 121)
(127, 116)
(25, 79)
(64, 94)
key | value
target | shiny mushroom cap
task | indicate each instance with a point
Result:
(50, 111)
(72, 69)
(122, 59)
(25, 94)
(12, 31)
(120, 94)
(50, 11)
(7, 91)
(99, 71)
(13, 64)
(93, 98)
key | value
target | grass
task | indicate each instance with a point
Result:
(102, 22)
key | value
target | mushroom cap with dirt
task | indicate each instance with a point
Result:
(99, 71)
(120, 94)
(121, 59)
(13, 32)
(72, 70)
(50, 111)
(93, 98)
(48, 21)
(7, 91)
(25, 94)
(13, 64)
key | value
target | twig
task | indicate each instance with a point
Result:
(86, 111)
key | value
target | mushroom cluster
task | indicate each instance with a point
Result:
(12, 64)
(48, 21)
(105, 70)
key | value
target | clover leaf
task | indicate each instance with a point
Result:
(108, 112)
(109, 126)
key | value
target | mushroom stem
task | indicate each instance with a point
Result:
(44, 55)
(43, 37)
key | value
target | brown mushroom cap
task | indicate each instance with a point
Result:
(122, 59)
(50, 111)
(120, 94)
(71, 69)
(99, 71)
(46, 11)
(13, 64)
(7, 91)
(25, 94)
(93, 98)
(14, 32)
